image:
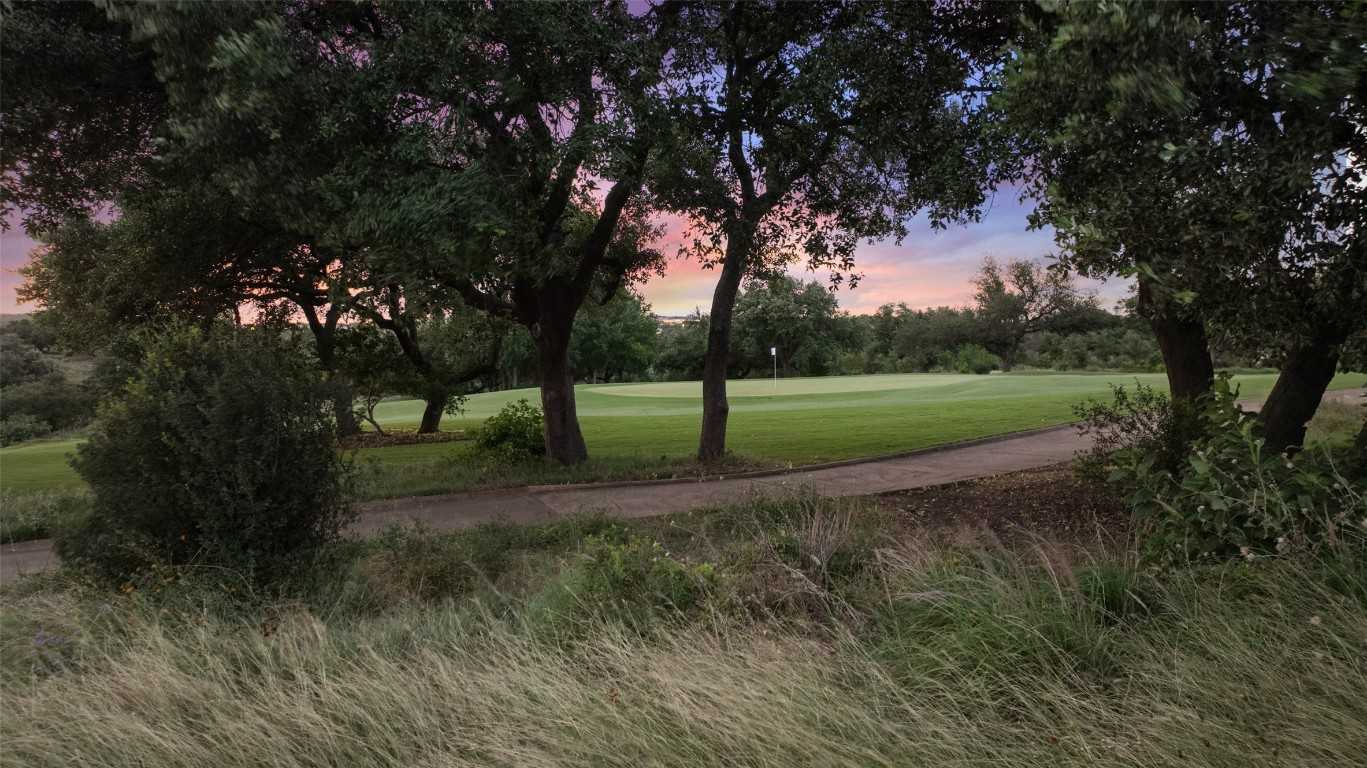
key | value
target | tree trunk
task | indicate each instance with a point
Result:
(564, 441)
(1183, 344)
(715, 409)
(343, 399)
(325, 343)
(431, 415)
(1297, 394)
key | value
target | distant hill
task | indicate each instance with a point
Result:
(9, 317)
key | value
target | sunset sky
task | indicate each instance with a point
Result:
(928, 269)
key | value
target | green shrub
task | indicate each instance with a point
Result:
(54, 400)
(632, 579)
(972, 358)
(1230, 497)
(21, 427)
(515, 431)
(219, 451)
(1145, 423)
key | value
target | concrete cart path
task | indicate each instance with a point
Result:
(538, 504)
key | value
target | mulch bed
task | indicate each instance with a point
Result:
(400, 437)
(1048, 503)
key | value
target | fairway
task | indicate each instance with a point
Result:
(794, 421)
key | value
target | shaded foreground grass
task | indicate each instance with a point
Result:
(795, 633)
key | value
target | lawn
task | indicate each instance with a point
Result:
(796, 421)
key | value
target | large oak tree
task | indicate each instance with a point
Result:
(802, 128)
(1212, 151)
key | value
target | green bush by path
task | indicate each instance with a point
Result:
(219, 452)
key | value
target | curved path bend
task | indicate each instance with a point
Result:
(538, 504)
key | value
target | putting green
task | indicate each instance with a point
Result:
(795, 421)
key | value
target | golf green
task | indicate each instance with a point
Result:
(795, 421)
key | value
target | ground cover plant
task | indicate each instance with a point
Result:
(793, 632)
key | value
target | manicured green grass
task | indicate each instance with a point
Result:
(797, 421)
(38, 466)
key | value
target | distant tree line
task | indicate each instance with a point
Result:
(1023, 315)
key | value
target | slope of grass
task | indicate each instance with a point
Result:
(797, 634)
(655, 426)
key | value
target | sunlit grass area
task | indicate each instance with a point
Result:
(644, 430)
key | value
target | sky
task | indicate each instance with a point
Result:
(929, 268)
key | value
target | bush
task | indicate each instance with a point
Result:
(1146, 423)
(53, 400)
(21, 427)
(1231, 497)
(516, 431)
(971, 358)
(632, 579)
(219, 451)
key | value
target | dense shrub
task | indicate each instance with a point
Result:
(219, 451)
(23, 362)
(21, 427)
(516, 431)
(60, 403)
(1230, 497)
(972, 358)
(1145, 423)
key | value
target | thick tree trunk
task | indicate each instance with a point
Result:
(1297, 394)
(1183, 344)
(715, 409)
(564, 441)
(431, 416)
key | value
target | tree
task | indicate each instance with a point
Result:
(461, 147)
(447, 346)
(181, 252)
(797, 320)
(683, 348)
(1023, 297)
(802, 127)
(615, 340)
(71, 74)
(376, 367)
(1208, 150)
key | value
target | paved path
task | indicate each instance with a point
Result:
(535, 504)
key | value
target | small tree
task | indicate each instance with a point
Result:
(220, 450)
(1022, 297)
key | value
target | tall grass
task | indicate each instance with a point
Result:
(39, 514)
(942, 657)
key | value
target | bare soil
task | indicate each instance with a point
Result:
(1045, 503)
(400, 437)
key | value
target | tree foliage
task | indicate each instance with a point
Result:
(1208, 148)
